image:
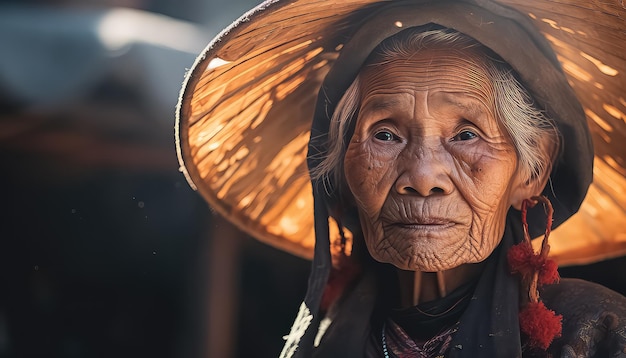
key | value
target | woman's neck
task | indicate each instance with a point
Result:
(417, 287)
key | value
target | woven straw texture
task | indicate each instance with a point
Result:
(247, 105)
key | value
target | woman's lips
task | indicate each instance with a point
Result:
(423, 224)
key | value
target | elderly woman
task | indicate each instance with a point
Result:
(435, 130)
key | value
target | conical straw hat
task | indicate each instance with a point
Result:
(245, 112)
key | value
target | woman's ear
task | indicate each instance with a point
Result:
(529, 185)
(525, 189)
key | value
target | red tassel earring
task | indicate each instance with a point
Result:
(537, 322)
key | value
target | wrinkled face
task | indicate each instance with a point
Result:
(431, 171)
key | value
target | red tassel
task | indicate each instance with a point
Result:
(523, 260)
(537, 322)
(520, 259)
(549, 274)
(540, 324)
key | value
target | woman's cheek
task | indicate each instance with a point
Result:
(357, 168)
(488, 237)
(369, 176)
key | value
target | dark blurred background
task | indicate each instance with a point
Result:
(105, 251)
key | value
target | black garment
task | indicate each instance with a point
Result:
(428, 319)
(423, 322)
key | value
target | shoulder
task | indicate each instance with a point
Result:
(594, 319)
(581, 293)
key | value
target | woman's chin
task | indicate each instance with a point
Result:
(427, 255)
(424, 266)
(421, 263)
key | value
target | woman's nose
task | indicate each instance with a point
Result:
(424, 172)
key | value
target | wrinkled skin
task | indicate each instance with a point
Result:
(431, 171)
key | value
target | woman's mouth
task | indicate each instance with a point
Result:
(426, 224)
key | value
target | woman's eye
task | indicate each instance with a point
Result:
(385, 136)
(465, 135)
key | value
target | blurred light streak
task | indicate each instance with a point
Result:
(119, 28)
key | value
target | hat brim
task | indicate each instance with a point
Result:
(245, 112)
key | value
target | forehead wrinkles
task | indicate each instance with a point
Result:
(432, 70)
